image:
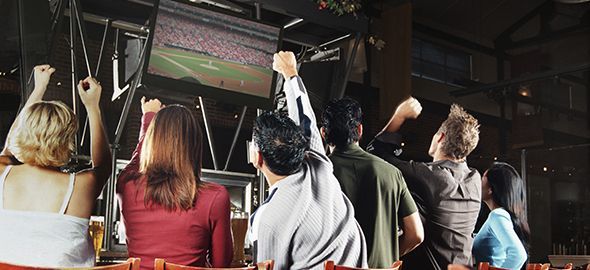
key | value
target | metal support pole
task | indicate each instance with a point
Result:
(104, 37)
(130, 95)
(110, 200)
(82, 29)
(261, 179)
(110, 215)
(502, 105)
(524, 178)
(73, 70)
(208, 132)
(233, 143)
(258, 7)
(56, 23)
(523, 166)
(349, 62)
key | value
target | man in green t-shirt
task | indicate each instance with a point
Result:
(383, 205)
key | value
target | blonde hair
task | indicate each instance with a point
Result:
(461, 131)
(171, 159)
(44, 135)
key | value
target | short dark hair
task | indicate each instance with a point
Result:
(281, 142)
(340, 121)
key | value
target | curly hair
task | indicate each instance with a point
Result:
(461, 131)
(340, 121)
(281, 142)
(44, 135)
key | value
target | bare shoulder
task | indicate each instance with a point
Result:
(84, 194)
(86, 181)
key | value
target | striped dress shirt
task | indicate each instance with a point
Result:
(308, 219)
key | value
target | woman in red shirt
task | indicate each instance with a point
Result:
(167, 210)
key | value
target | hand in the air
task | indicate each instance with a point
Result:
(285, 63)
(409, 109)
(152, 105)
(90, 97)
(42, 75)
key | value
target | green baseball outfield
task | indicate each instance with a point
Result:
(212, 71)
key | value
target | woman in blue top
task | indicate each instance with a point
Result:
(503, 238)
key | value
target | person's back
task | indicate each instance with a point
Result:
(447, 191)
(38, 228)
(449, 202)
(167, 211)
(503, 239)
(44, 212)
(183, 237)
(380, 198)
(383, 205)
(306, 218)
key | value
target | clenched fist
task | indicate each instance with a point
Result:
(285, 63)
(91, 97)
(409, 109)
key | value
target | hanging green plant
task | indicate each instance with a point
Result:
(340, 7)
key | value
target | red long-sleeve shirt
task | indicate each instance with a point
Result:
(198, 237)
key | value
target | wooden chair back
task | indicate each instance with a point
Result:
(487, 266)
(161, 264)
(329, 265)
(458, 267)
(538, 266)
(130, 264)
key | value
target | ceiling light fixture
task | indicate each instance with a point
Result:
(292, 23)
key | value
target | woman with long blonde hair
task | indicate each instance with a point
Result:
(44, 212)
(167, 210)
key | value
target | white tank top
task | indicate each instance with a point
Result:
(44, 239)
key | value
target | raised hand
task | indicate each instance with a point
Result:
(285, 63)
(409, 109)
(42, 75)
(152, 105)
(91, 97)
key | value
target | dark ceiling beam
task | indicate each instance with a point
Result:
(465, 43)
(546, 37)
(519, 80)
(553, 107)
(308, 10)
(300, 38)
(576, 80)
(505, 35)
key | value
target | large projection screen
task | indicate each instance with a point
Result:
(204, 52)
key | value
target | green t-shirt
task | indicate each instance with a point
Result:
(380, 198)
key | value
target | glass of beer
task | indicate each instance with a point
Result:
(239, 226)
(96, 230)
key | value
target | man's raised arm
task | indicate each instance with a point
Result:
(298, 103)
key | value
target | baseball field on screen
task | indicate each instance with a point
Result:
(208, 70)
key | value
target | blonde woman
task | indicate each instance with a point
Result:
(44, 212)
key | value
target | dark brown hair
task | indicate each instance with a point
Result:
(461, 131)
(171, 159)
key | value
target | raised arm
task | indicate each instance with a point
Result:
(388, 142)
(99, 145)
(42, 74)
(408, 109)
(148, 110)
(298, 103)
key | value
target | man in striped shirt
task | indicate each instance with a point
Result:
(306, 218)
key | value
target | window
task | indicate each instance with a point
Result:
(441, 64)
